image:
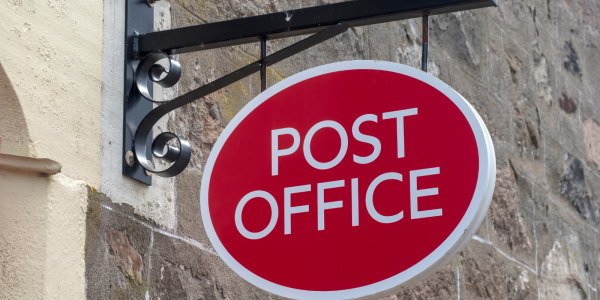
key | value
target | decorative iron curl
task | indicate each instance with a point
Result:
(148, 69)
(148, 72)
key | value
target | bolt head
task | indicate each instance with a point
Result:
(129, 158)
(152, 2)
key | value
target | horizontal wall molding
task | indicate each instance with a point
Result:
(29, 164)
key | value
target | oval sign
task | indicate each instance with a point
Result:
(350, 180)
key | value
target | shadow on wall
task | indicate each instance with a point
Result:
(13, 126)
(24, 211)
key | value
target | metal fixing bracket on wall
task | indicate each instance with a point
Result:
(139, 17)
(145, 48)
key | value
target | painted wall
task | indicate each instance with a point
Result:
(50, 83)
(528, 67)
(157, 201)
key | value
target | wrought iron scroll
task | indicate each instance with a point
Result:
(149, 71)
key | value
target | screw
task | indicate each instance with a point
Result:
(152, 2)
(129, 158)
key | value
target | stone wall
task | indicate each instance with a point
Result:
(528, 67)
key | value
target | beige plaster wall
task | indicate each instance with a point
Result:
(50, 85)
(51, 53)
(23, 238)
(42, 236)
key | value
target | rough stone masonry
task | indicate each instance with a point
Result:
(530, 68)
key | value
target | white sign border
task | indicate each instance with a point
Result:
(434, 261)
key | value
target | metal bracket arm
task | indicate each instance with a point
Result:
(297, 22)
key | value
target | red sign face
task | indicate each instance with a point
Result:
(347, 181)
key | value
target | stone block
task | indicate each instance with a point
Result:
(562, 274)
(440, 285)
(189, 218)
(183, 271)
(573, 187)
(116, 244)
(125, 257)
(487, 274)
(511, 216)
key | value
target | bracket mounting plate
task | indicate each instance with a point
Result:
(139, 19)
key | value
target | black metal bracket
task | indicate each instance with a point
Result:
(324, 22)
(139, 17)
(425, 39)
